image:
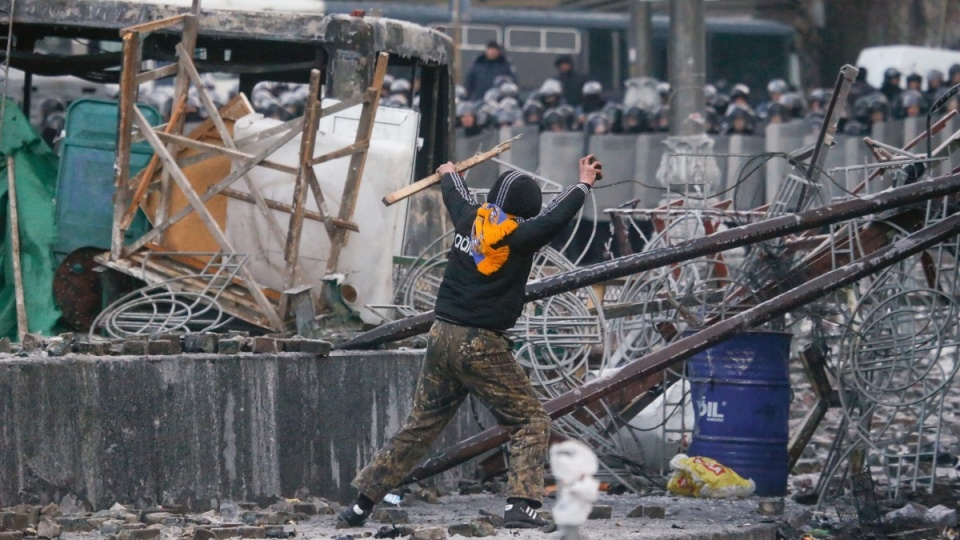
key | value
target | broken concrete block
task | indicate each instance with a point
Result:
(636, 512)
(475, 529)
(49, 529)
(163, 346)
(222, 533)
(493, 519)
(305, 508)
(139, 534)
(316, 346)
(14, 521)
(94, 348)
(163, 518)
(5, 346)
(654, 512)
(229, 346)
(33, 511)
(75, 524)
(430, 533)
(134, 348)
(200, 343)
(51, 511)
(394, 516)
(278, 531)
(600, 511)
(265, 345)
(11, 535)
(111, 526)
(59, 347)
(31, 342)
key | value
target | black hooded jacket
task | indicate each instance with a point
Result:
(468, 297)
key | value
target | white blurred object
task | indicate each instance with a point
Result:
(573, 465)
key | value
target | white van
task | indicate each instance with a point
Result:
(906, 58)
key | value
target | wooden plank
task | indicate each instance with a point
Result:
(351, 188)
(128, 99)
(286, 208)
(184, 184)
(153, 26)
(355, 148)
(293, 125)
(311, 122)
(159, 73)
(146, 175)
(223, 151)
(211, 192)
(22, 323)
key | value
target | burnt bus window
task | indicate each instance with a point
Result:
(568, 41)
(554, 40)
(475, 36)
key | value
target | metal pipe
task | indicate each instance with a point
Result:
(686, 347)
(686, 66)
(692, 249)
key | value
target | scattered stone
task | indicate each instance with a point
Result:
(941, 516)
(200, 343)
(324, 508)
(229, 346)
(394, 516)
(49, 529)
(132, 526)
(771, 507)
(74, 524)
(51, 511)
(654, 512)
(70, 505)
(316, 346)
(94, 348)
(265, 345)
(469, 487)
(32, 511)
(11, 535)
(237, 334)
(600, 511)
(131, 518)
(139, 534)
(495, 486)
(59, 347)
(96, 522)
(474, 529)
(134, 348)
(229, 511)
(277, 531)
(5, 345)
(305, 508)
(430, 533)
(31, 342)
(494, 519)
(636, 512)
(163, 346)
(221, 533)
(14, 521)
(165, 519)
(110, 526)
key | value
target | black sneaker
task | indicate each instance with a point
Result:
(354, 516)
(520, 516)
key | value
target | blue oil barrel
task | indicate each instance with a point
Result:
(741, 394)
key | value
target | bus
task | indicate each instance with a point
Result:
(598, 43)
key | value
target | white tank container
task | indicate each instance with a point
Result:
(366, 262)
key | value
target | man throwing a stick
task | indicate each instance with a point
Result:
(480, 298)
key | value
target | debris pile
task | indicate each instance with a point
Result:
(229, 343)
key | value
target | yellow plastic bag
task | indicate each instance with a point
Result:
(703, 477)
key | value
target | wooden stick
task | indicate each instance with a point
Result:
(146, 176)
(22, 324)
(468, 163)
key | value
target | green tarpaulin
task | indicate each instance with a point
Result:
(35, 166)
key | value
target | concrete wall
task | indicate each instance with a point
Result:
(193, 429)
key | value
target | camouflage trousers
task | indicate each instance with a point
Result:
(462, 360)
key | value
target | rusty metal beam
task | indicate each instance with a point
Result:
(686, 347)
(692, 249)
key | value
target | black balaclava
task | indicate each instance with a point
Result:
(517, 194)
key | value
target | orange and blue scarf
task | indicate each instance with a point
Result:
(491, 226)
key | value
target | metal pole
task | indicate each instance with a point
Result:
(686, 347)
(691, 249)
(457, 17)
(686, 66)
(641, 39)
